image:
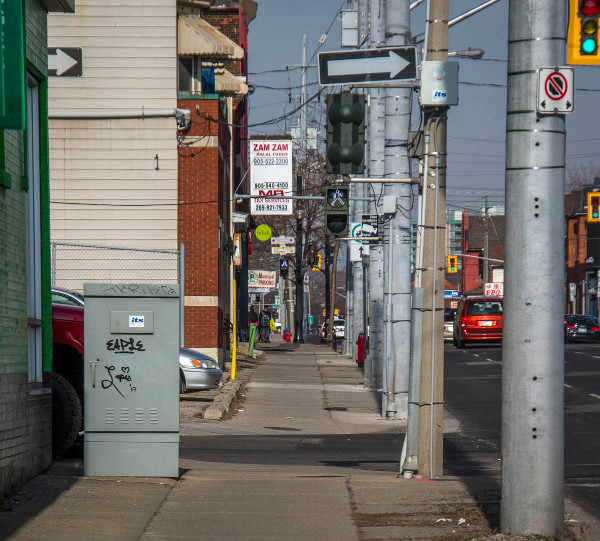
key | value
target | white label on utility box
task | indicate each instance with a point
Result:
(136, 321)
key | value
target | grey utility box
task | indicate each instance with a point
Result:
(131, 380)
(439, 83)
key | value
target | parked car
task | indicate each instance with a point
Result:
(478, 318)
(449, 314)
(339, 328)
(65, 296)
(581, 327)
(197, 371)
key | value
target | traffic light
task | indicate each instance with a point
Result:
(337, 208)
(593, 207)
(284, 268)
(452, 263)
(318, 264)
(345, 133)
(582, 39)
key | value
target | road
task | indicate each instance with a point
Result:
(473, 396)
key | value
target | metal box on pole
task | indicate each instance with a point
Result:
(439, 83)
(131, 380)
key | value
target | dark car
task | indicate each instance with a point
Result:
(478, 319)
(581, 327)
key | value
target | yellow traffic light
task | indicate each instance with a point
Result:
(593, 207)
(452, 263)
(582, 38)
(318, 266)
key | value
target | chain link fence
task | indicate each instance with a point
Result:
(74, 264)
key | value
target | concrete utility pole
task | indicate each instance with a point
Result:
(374, 363)
(486, 241)
(431, 396)
(397, 251)
(298, 322)
(532, 348)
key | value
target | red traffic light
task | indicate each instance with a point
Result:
(589, 7)
(595, 201)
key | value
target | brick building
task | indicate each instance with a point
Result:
(25, 315)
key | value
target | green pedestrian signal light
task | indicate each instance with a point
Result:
(593, 207)
(452, 265)
(337, 211)
(345, 145)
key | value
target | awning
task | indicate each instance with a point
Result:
(227, 83)
(197, 37)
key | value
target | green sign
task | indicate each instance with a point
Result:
(310, 320)
(12, 20)
(263, 232)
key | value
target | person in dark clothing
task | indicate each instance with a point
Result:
(252, 317)
(264, 319)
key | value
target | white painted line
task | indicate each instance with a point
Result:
(491, 360)
(579, 353)
(596, 356)
(595, 396)
(475, 355)
(568, 386)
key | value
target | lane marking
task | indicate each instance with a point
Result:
(475, 355)
(596, 356)
(595, 396)
(579, 352)
(491, 360)
(568, 386)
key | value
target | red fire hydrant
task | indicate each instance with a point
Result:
(287, 335)
(361, 348)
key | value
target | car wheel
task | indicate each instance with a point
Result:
(66, 414)
(460, 344)
(182, 385)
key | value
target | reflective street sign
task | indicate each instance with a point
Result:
(555, 90)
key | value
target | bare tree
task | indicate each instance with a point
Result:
(582, 175)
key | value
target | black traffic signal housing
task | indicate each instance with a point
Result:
(593, 207)
(284, 268)
(452, 265)
(582, 39)
(345, 149)
(337, 211)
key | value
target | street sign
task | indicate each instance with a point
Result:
(370, 227)
(283, 249)
(306, 279)
(306, 288)
(365, 65)
(555, 90)
(282, 240)
(65, 61)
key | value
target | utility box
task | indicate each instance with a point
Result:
(439, 83)
(131, 380)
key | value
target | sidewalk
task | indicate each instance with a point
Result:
(304, 455)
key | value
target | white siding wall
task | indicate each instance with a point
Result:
(129, 62)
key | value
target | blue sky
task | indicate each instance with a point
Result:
(476, 127)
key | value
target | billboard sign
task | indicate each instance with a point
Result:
(271, 176)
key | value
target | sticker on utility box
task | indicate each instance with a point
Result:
(131, 322)
(136, 321)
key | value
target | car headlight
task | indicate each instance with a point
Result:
(203, 363)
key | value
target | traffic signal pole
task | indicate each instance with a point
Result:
(397, 250)
(532, 346)
(374, 362)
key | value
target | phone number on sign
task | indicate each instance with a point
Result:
(270, 161)
(263, 207)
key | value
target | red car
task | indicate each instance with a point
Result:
(478, 319)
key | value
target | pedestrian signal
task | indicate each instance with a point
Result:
(582, 38)
(593, 207)
(452, 263)
(284, 268)
(337, 211)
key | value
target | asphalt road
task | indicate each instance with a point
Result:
(473, 394)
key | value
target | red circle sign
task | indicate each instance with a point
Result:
(556, 86)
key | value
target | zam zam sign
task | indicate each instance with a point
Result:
(271, 176)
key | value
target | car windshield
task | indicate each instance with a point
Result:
(484, 308)
(582, 320)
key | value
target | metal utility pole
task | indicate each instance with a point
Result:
(532, 348)
(374, 362)
(330, 331)
(357, 209)
(397, 251)
(431, 395)
(298, 335)
(486, 239)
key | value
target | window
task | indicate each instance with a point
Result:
(482, 308)
(33, 235)
(186, 74)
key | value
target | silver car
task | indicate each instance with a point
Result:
(197, 371)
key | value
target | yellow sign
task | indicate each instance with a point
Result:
(263, 232)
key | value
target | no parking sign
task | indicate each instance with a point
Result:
(555, 90)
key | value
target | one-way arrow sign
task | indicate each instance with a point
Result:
(65, 62)
(359, 66)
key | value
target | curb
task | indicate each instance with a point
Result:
(223, 400)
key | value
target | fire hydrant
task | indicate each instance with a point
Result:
(361, 348)
(287, 334)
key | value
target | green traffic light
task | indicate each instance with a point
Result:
(595, 214)
(588, 46)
